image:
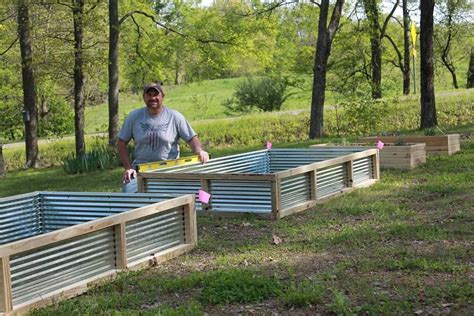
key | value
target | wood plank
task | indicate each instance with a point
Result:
(434, 144)
(81, 229)
(5, 286)
(190, 223)
(120, 246)
(276, 198)
(313, 176)
(350, 173)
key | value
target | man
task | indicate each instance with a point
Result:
(155, 130)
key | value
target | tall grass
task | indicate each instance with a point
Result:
(389, 116)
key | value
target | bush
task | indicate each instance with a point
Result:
(267, 94)
(97, 159)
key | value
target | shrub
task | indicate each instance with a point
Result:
(100, 158)
(267, 94)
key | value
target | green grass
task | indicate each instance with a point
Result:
(400, 246)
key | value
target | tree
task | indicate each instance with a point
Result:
(470, 73)
(29, 95)
(452, 19)
(326, 35)
(79, 106)
(114, 31)
(406, 48)
(428, 106)
(377, 33)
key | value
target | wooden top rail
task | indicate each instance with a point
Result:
(326, 163)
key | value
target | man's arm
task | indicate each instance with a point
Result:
(196, 147)
(122, 150)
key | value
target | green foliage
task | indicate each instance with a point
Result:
(362, 116)
(340, 305)
(100, 158)
(303, 294)
(266, 94)
(237, 286)
(56, 116)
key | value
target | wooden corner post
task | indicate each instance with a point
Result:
(190, 225)
(120, 246)
(6, 303)
(276, 198)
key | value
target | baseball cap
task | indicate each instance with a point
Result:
(153, 85)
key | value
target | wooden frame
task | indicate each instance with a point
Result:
(444, 144)
(117, 225)
(406, 156)
(303, 179)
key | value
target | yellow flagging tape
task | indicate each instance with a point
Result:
(167, 163)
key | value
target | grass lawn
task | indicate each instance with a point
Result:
(402, 246)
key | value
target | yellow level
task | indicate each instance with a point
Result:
(167, 163)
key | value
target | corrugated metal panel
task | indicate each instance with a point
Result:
(362, 170)
(331, 180)
(295, 190)
(241, 196)
(173, 188)
(253, 162)
(283, 159)
(43, 270)
(152, 234)
(64, 209)
(20, 217)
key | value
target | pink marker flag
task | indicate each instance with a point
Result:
(203, 196)
(269, 145)
(380, 144)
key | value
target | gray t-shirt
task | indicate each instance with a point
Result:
(155, 136)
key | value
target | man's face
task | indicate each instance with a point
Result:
(153, 99)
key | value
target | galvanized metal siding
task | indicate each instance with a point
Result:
(284, 159)
(64, 209)
(253, 162)
(43, 270)
(241, 196)
(172, 188)
(152, 234)
(20, 217)
(295, 190)
(331, 180)
(362, 170)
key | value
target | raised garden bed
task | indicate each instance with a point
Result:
(444, 144)
(270, 183)
(55, 244)
(406, 156)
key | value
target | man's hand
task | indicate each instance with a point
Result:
(203, 156)
(128, 175)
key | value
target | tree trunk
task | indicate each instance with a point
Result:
(470, 73)
(372, 12)
(79, 105)
(30, 115)
(2, 162)
(114, 31)
(428, 106)
(375, 45)
(323, 50)
(406, 45)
